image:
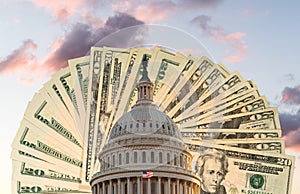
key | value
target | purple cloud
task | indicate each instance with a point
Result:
(290, 126)
(75, 43)
(291, 95)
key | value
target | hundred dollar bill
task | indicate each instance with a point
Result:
(250, 171)
(261, 119)
(52, 152)
(212, 77)
(90, 119)
(189, 76)
(208, 108)
(208, 134)
(274, 145)
(65, 85)
(39, 112)
(113, 66)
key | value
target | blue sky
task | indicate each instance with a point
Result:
(259, 39)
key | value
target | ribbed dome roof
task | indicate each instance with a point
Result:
(144, 120)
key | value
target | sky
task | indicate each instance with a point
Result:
(259, 39)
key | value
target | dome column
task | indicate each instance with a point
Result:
(98, 188)
(122, 187)
(149, 185)
(184, 188)
(118, 186)
(138, 185)
(103, 188)
(128, 185)
(169, 186)
(95, 189)
(177, 186)
(159, 185)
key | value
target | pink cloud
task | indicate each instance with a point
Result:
(235, 41)
(149, 12)
(292, 139)
(153, 11)
(62, 15)
(23, 63)
(291, 95)
(75, 43)
(19, 58)
(61, 10)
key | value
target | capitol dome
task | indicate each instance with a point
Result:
(145, 120)
(145, 140)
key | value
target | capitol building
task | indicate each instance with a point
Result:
(145, 140)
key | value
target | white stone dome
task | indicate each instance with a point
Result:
(144, 120)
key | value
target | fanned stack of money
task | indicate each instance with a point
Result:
(68, 121)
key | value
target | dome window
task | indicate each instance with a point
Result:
(127, 158)
(120, 159)
(152, 157)
(144, 157)
(135, 157)
(160, 157)
(113, 161)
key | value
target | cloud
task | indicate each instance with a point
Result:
(198, 4)
(290, 126)
(159, 10)
(234, 40)
(292, 139)
(20, 59)
(291, 95)
(78, 41)
(289, 122)
(75, 43)
(155, 11)
(61, 10)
